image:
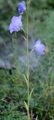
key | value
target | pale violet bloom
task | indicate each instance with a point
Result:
(16, 24)
(39, 47)
(22, 7)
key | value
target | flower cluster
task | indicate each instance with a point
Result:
(16, 21)
(16, 25)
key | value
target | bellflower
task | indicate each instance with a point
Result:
(16, 24)
(21, 7)
(39, 47)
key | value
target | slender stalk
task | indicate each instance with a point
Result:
(27, 61)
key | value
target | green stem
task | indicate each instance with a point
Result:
(27, 62)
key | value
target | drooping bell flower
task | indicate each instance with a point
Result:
(39, 47)
(22, 7)
(16, 24)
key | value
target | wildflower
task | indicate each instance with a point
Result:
(39, 47)
(16, 24)
(21, 7)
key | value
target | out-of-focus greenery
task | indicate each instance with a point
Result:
(13, 91)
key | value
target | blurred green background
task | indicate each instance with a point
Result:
(13, 91)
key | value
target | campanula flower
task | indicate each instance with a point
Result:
(39, 47)
(22, 7)
(16, 24)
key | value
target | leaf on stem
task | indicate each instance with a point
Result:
(26, 80)
(26, 106)
(31, 93)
